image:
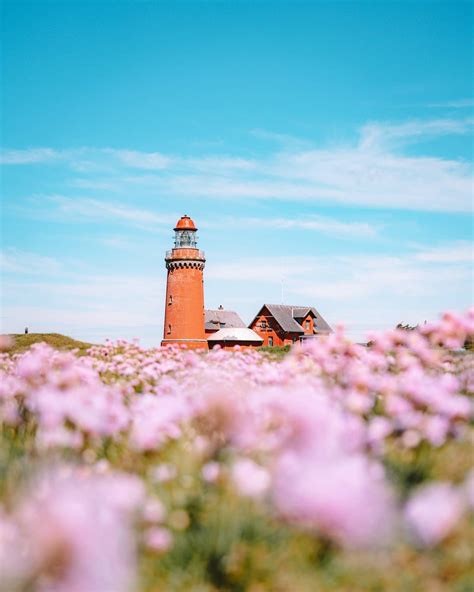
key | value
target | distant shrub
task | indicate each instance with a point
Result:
(469, 343)
(406, 327)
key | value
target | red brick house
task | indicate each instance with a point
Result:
(281, 324)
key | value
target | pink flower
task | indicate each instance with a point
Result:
(163, 473)
(158, 539)
(469, 488)
(211, 472)
(345, 498)
(153, 511)
(436, 429)
(250, 479)
(411, 438)
(433, 512)
(156, 420)
(75, 531)
(379, 429)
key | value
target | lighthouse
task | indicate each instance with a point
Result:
(184, 305)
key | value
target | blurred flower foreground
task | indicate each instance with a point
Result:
(339, 467)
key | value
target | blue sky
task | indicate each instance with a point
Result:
(324, 149)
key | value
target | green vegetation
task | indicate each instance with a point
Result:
(276, 352)
(22, 342)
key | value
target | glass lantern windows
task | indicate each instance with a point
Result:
(185, 239)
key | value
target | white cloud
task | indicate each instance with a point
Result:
(125, 305)
(458, 252)
(96, 184)
(286, 140)
(260, 269)
(227, 187)
(142, 160)
(117, 242)
(374, 135)
(365, 291)
(24, 262)
(321, 224)
(372, 172)
(29, 156)
(378, 178)
(369, 173)
(459, 104)
(99, 210)
(219, 163)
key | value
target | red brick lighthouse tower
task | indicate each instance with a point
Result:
(184, 307)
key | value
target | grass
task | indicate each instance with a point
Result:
(21, 342)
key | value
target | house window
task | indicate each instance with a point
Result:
(169, 329)
(294, 338)
(170, 299)
(270, 341)
(308, 324)
(263, 324)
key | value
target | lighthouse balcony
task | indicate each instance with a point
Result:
(181, 253)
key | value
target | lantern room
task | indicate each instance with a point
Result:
(185, 234)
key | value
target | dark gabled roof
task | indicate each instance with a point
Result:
(320, 324)
(286, 315)
(227, 318)
(299, 312)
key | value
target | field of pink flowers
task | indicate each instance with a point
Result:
(339, 468)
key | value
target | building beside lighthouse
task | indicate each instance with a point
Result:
(184, 304)
(282, 324)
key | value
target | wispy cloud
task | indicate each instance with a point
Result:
(142, 160)
(459, 104)
(286, 141)
(24, 262)
(95, 210)
(111, 309)
(457, 252)
(29, 156)
(378, 178)
(320, 224)
(117, 242)
(96, 184)
(377, 135)
(365, 291)
(373, 171)
(220, 164)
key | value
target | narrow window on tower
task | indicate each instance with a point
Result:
(170, 300)
(169, 329)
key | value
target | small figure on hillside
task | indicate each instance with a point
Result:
(26, 330)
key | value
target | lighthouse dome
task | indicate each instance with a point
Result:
(185, 223)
